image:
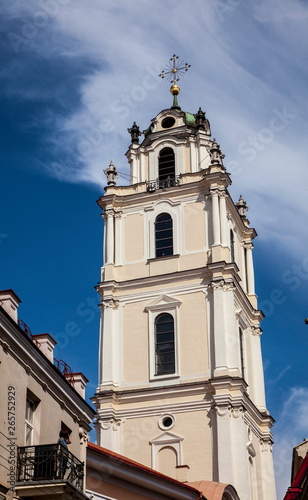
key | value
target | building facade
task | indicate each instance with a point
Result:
(181, 385)
(39, 398)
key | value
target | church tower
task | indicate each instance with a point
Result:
(181, 385)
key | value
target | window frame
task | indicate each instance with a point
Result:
(242, 352)
(232, 246)
(163, 177)
(160, 305)
(29, 422)
(172, 209)
(158, 345)
(157, 240)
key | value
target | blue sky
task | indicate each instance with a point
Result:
(74, 76)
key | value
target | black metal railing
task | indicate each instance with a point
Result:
(63, 367)
(163, 183)
(47, 463)
(25, 327)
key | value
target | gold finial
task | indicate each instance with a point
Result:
(175, 89)
(174, 70)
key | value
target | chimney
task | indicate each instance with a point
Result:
(78, 381)
(46, 344)
(10, 302)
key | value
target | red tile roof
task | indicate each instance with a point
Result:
(210, 489)
(137, 465)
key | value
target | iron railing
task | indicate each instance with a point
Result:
(163, 183)
(47, 463)
(63, 367)
(25, 327)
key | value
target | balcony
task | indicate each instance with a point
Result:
(49, 469)
(163, 183)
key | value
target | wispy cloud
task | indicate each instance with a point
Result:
(243, 78)
(290, 430)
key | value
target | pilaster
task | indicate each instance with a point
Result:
(257, 377)
(226, 339)
(109, 344)
(109, 221)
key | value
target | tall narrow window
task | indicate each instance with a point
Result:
(232, 245)
(29, 421)
(166, 165)
(242, 352)
(164, 344)
(163, 235)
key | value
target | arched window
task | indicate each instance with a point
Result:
(166, 166)
(163, 235)
(232, 245)
(164, 344)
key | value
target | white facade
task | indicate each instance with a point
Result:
(192, 407)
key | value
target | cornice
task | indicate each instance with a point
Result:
(15, 342)
(156, 392)
(113, 286)
(248, 232)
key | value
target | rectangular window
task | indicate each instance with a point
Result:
(163, 235)
(242, 352)
(164, 344)
(29, 421)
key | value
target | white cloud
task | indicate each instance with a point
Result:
(246, 61)
(290, 430)
(243, 69)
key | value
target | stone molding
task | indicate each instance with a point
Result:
(256, 331)
(113, 423)
(109, 304)
(222, 285)
(266, 444)
(231, 411)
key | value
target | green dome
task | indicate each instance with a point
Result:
(189, 119)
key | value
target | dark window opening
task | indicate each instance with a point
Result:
(168, 122)
(242, 352)
(65, 428)
(232, 245)
(167, 422)
(163, 235)
(164, 345)
(166, 165)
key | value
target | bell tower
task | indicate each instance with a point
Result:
(181, 385)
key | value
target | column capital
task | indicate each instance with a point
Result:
(109, 212)
(217, 285)
(248, 245)
(222, 285)
(231, 411)
(109, 304)
(214, 192)
(266, 444)
(222, 193)
(222, 411)
(113, 423)
(256, 331)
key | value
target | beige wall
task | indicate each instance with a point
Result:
(194, 223)
(135, 342)
(134, 234)
(167, 461)
(193, 426)
(193, 333)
